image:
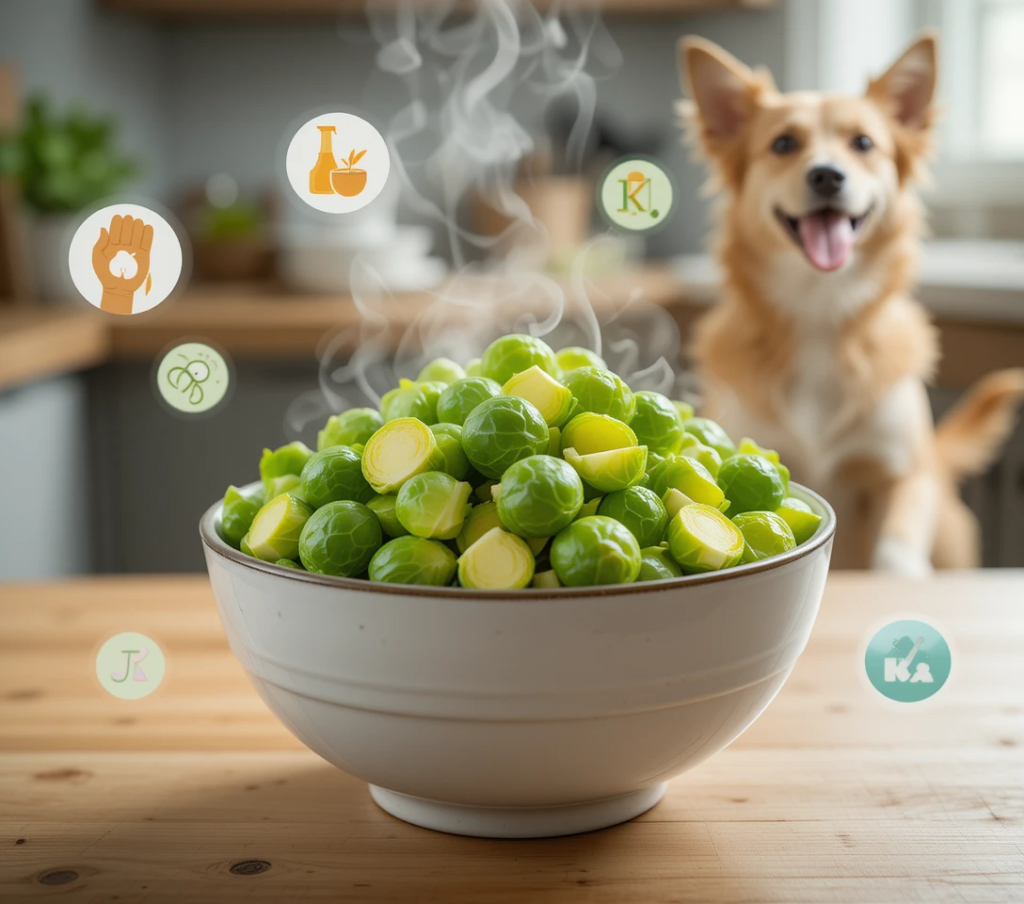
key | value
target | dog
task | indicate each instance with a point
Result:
(816, 347)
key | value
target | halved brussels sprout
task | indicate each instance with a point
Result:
(479, 521)
(276, 528)
(334, 474)
(462, 396)
(574, 357)
(244, 547)
(610, 471)
(433, 505)
(638, 509)
(701, 539)
(340, 539)
(673, 501)
(555, 442)
(601, 392)
(711, 434)
(657, 423)
(413, 560)
(588, 433)
(512, 354)
(751, 483)
(349, 428)
(593, 551)
(384, 508)
(765, 534)
(497, 561)
(449, 445)
(539, 496)
(238, 511)
(546, 580)
(441, 370)
(399, 450)
(499, 432)
(798, 515)
(705, 455)
(688, 476)
(657, 564)
(547, 395)
(284, 461)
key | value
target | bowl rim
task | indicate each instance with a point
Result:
(213, 542)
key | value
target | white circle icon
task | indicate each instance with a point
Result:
(125, 259)
(337, 163)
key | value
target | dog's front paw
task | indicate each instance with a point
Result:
(898, 557)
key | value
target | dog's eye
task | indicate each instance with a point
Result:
(784, 144)
(862, 143)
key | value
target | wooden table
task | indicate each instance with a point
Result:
(197, 794)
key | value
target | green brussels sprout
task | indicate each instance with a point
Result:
(244, 547)
(479, 521)
(340, 539)
(574, 357)
(237, 512)
(549, 397)
(433, 505)
(462, 396)
(657, 423)
(484, 491)
(545, 580)
(709, 433)
(688, 476)
(606, 472)
(384, 508)
(588, 433)
(601, 392)
(449, 444)
(638, 509)
(410, 399)
(801, 520)
(590, 507)
(705, 455)
(539, 496)
(701, 539)
(674, 500)
(413, 560)
(555, 441)
(282, 462)
(657, 564)
(512, 354)
(349, 428)
(748, 446)
(497, 561)
(473, 367)
(335, 474)
(289, 563)
(286, 483)
(399, 450)
(500, 431)
(685, 409)
(595, 550)
(277, 527)
(765, 534)
(441, 370)
(751, 483)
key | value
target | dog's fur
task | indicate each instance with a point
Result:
(827, 361)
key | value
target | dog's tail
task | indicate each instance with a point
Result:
(969, 438)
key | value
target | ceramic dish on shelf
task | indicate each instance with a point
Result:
(523, 713)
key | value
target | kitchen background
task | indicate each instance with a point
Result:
(98, 477)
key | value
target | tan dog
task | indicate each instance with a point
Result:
(816, 348)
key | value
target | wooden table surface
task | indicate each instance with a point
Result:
(197, 794)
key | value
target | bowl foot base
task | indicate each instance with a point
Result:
(517, 822)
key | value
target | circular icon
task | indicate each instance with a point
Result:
(636, 194)
(193, 378)
(130, 665)
(908, 661)
(125, 259)
(337, 163)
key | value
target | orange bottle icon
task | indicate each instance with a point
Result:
(320, 175)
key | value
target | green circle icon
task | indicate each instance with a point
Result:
(908, 661)
(193, 378)
(130, 665)
(636, 194)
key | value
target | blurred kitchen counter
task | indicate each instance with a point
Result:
(198, 794)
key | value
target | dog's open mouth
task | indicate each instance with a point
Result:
(826, 236)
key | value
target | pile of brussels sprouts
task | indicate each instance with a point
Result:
(526, 468)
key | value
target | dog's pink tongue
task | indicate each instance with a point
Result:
(827, 238)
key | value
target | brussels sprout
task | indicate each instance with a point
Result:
(539, 496)
(673, 501)
(449, 444)
(657, 423)
(512, 354)
(237, 512)
(610, 471)
(657, 564)
(593, 551)
(501, 431)
(413, 560)
(751, 484)
(638, 509)
(441, 370)
(497, 561)
(433, 505)
(411, 399)
(588, 433)
(462, 396)
(289, 563)
(334, 474)
(545, 580)
(548, 396)
(276, 528)
(748, 446)
(356, 425)
(798, 515)
(688, 476)
(574, 357)
(286, 483)
(685, 409)
(283, 461)
(484, 492)
(479, 521)
(589, 507)
(243, 546)
(701, 538)
(765, 534)
(473, 367)
(384, 508)
(555, 441)
(705, 455)
(601, 392)
(709, 433)
(340, 539)
(398, 451)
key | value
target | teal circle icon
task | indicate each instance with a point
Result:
(908, 661)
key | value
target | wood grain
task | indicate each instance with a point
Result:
(832, 796)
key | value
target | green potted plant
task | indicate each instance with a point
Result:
(63, 162)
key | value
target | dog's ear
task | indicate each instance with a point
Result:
(723, 89)
(907, 87)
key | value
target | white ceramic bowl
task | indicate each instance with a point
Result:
(520, 713)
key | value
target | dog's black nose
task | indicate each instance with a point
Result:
(826, 181)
